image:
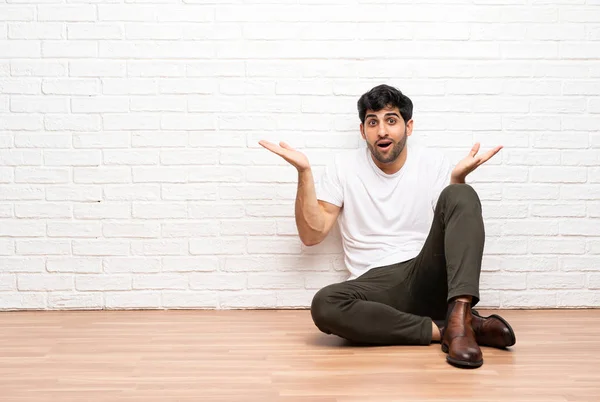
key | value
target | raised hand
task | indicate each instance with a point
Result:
(472, 162)
(293, 157)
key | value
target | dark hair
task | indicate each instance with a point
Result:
(382, 96)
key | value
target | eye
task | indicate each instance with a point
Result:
(372, 122)
(392, 120)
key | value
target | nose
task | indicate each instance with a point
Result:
(382, 132)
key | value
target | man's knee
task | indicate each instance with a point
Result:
(323, 308)
(461, 195)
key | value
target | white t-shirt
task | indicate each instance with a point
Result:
(385, 219)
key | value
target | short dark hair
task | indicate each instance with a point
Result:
(383, 96)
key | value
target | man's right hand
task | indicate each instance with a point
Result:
(293, 157)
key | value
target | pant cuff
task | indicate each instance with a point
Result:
(465, 291)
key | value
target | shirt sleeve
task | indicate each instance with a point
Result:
(442, 180)
(329, 185)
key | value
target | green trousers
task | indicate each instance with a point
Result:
(395, 304)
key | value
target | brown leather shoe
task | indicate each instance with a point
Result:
(459, 338)
(492, 331)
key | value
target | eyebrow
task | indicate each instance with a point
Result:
(387, 114)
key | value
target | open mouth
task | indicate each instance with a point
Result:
(384, 145)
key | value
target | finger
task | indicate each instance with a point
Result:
(286, 146)
(271, 147)
(475, 149)
(488, 155)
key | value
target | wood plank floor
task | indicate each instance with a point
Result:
(280, 355)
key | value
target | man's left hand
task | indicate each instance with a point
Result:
(472, 162)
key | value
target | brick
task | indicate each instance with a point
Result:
(191, 121)
(580, 227)
(217, 281)
(159, 140)
(131, 121)
(69, 49)
(22, 264)
(72, 157)
(129, 157)
(556, 210)
(555, 280)
(20, 192)
(75, 300)
(70, 122)
(39, 30)
(159, 247)
(18, 13)
(41, 175)
(129, 86)
(104, 140)
(560, 141)
(578, 298)
(43, 247)
(74, 265)
(8, 282)
(274, 245)
(192, 300)
(159, 174)
(522, 263)
(104, 104)
(102, 282)
(113, 265)
(33, 104)
(247, 192)
(558, 175)
(530, 228)
(218, 245)
(97, 68)
(503, 281)
(132, 192)
(162, 210)
(21, 122)
(200, 210)
(158, 104)
(101, 175)
(74, 229)
(528, 298)
(137, 299)
(74, 193)
(101, 247)
(7, 247)
(98, 31)
(136, 68)
(38, 68)
(556, 246)
(160, 281)
(133, 230)
(248, 227)
(243, 298)
(71, 86)
(190, 229)
(20, 48)
(505, 245)
(189, 264)
(580, 158)
(23, 301)
(44, 282)
(46, 210)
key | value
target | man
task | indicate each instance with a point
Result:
(413, 238)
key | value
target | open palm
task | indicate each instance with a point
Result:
(472, 161)
(292, 156)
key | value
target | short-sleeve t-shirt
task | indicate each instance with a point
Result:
(385, 218)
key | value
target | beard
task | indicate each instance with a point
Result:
(394, 153)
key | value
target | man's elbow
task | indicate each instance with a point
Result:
(311, 240)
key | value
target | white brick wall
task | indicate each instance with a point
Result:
(131, 177)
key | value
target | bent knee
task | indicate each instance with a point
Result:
(461, 194)
(323, 307)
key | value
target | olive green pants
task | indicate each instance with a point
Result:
(395, 304)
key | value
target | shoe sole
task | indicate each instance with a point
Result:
(513, 338)
(460, 363)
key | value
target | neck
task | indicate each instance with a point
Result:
(392, 167)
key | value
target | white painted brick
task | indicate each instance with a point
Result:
(7, 247)
(8, 282)
(320, 280)
(274, 245)
(505, 245)
(578, 298)
(190, 229)
(593, 246)
(20, 49)
(75, 13)
(295, 298)
(72, 157)
(132, 300)
(131, 121)
(46, 210)
(580, 227)
(42, 282)
(500, 174)
(219, 174)
(103, 104)
(97, 68)
(555, 281)
(113, 265)
(580, 158)
(498, 31)
(157, 50)
(559, 140)
(104, 210)
(129, 86)
(6, 211)
(94, 31)
(101, 247)
(593, 281)
(70, 122)
(20, 122)
(33, 104)
(159, 247)
(74, 229)
(160, 140)
(160, 281)
(126, 12)
(106, 140)
(80, 193)
(7, 175)
(578, 50)
(41, 175)
(187, 86)
(75, 300)
(243, 299)
(22, 228)
(68, 49)
(22, 264)
(18, 13)
(202, 210)
(531, 87)
(555, 210)
(550, 105)
(561, 32)
(172, 68)
(217, 281)
(158, 104)
(562, 245)
(20, 192)
(71, 86)
(159, 174)
(189, 264)
(38, 68)
(102, 282)
(580, 192)
(128, 157)
(594, 105)
(132, 192)
(160, 210)
(245, 264)
(528, 299)
(102, 175)
(269, 209)
(583, 123)
(4, 102)
(530, 228)
(581, 87)
(248, 227)
(37, 30)
(75, 265)
(20, 86)
(192, 300)
(503, 281)
(188, 157)
(593, 210)
(217, 68)
(42, 140)
(192, 121)
(247, 192)
(287, 280)
(559, 70)
(522, 263)
(269, 175)
(558, 175)
(43, 247)
(23, 301)
(218, 246)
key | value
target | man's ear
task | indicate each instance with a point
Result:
(409, 127)
(362, 133)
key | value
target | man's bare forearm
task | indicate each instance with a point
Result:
(310, 219)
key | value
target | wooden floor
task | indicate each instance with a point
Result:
(280, 356)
